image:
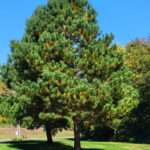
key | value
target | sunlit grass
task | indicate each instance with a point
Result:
(68, 145)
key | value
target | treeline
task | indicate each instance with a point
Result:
(135, 126)
(64, 73)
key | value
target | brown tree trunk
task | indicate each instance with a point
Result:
(77, 145)
(49, 134)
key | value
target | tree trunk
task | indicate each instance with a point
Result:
(49, 134)
(77, 145)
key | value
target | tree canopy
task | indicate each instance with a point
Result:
(136, 125)
(64, 69)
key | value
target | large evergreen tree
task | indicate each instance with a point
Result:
(64, 69)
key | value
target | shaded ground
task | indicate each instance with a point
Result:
(68, 145)
(37, 145)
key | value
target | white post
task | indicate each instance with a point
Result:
(18, 131)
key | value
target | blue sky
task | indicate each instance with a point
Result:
(126, 19)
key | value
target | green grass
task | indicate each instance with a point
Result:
(68, 145)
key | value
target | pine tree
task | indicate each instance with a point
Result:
(65, 69)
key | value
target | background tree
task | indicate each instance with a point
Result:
(64, 69)
(136, 125)
(4, 92)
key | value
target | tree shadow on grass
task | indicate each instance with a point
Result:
(111, 140)
(40, 145)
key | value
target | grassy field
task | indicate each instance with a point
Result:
(68, 145)
(62, 142)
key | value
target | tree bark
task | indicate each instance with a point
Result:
(49, 134)
(77, 145)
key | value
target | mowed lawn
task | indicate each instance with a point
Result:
(62, 144)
